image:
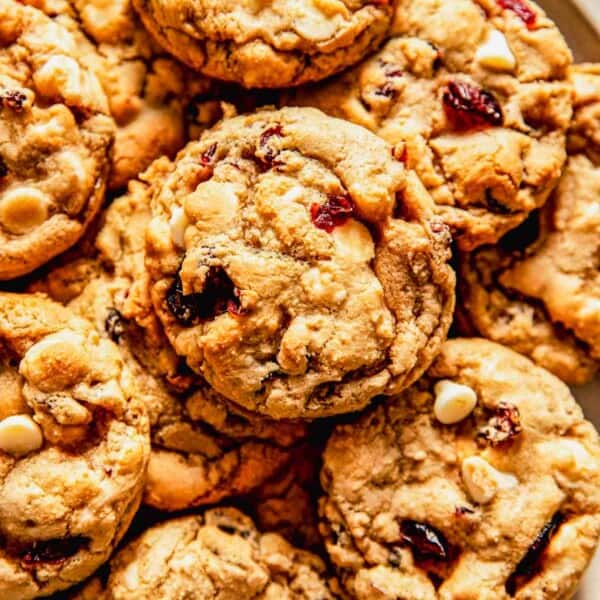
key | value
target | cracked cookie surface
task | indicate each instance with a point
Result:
(151, 96)
(267, 44)
(74, 447)
(203, 449)
(473, 98)
(55, 138)
(219, 554)
(296, 265)
(538, 290)
(504, 503)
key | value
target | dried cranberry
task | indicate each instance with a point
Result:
(335, 212)
(386, 90)
(53, 551)
(269, 155)
(530, 564)
(503, 426)
(219, 296)
(468, 106)
(427, 542)
(115, 325)
(522, 10)
(3, 168)
(13, 99)
(208, 155)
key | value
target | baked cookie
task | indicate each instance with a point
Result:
(74, 445)
(473, 94)
(218, 554)
(151, 96)
(267, 45)
(538, 290)
(295, 264)
(481, 481)
(203, 449)
(55, 136)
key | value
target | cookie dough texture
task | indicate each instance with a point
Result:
(219, 554)
(65, 506)
(203, 450)
(295, 264)
(397, 468)
(538, 290)
(150, 94)
(267, 44)
(486, 170)
(55, 138)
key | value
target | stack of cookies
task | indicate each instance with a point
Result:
(292, 291)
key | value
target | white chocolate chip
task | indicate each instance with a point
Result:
(59, 77)
(178, 224)
(20, 435)
(22, 209)
(453, 401)
(483, 481)
(212, 206)
(495, 53)
(353, 241)
(570, 456)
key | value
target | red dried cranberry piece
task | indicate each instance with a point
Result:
(13, 99)
(522, 10)
(468, 106)
(115, 325)
(219, 296)
(269, 155)
(427, 542)
(208, 155)
(53, 551)
(530, 564)
(503, 426)
(3, 168)
(335, 212)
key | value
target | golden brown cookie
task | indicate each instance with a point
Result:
(481, 481)
(55, 137)
(296, 265)
(538, 290)
(216, 555)
(74, 446)
(473, 94)
(274, 44)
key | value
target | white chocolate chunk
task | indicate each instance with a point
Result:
(353, 241)
(453, 401)
(59, 77)
(178, 224)
(20, 435)
(495, 53)
(483, 481)
(212, 206)
(22, 209)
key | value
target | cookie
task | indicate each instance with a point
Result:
(55, 137)
(74, 446)
(203, 449)
(218, 554)
(296, 265)
(150, 95)
(480, 481)
(538, 290)
(267, 45)
(473, 94)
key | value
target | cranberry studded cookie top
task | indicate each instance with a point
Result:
(267, 44)
(538, 290)
(474, 96)
(296, 265)
(74, 445)
(55, 137)
(480, 481)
